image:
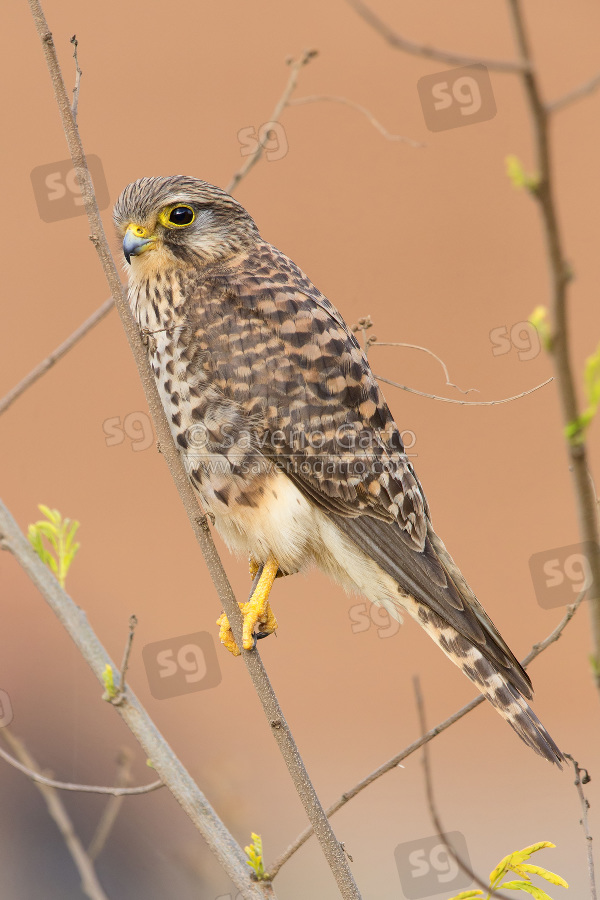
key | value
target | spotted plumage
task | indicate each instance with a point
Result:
(284, 431)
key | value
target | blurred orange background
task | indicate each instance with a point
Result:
(441, 251)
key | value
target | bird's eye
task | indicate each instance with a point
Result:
(181, 215)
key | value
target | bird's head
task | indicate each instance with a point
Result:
(179, 221)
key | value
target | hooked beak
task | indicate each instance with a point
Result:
(136, 240)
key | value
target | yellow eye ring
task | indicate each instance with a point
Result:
(180, 215)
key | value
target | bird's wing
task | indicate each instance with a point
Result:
(282, 351)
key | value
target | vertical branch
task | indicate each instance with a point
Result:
(582, 777)
(78, 74)
(113, 804)
(560, 275)
(331, 847)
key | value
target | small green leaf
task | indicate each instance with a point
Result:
(59, 533)
(46, 511)
(575, 431)
(544, 873)
(539, 320)
(519, 177)
(109, 683)
(536, 892)
(500, 869)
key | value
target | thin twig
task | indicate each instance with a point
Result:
(113, 805)
(578, 93)
(463, 402)
(220, 841)
(375, 343)
(78, 74)
(321, 98)
(445, 56)
(117, 791)
(63, 348)
(580, 780)
(560, 275)
(132, 623)
(251, 160)
(363, 325)
(395, 761)
(435, 818)
(89, 879)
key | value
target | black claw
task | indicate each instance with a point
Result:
(261, 635)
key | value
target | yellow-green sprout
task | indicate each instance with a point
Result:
(255, 858)
(60, 534)
(517, 862)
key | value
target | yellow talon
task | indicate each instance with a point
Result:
(226, 634)
(257, 611)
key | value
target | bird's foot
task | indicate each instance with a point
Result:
(256, 612)
(255, 567)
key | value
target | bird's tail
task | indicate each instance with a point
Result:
(492, 684)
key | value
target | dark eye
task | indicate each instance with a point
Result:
(182, 215)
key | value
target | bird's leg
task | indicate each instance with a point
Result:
(257, 611)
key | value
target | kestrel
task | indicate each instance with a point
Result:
(285, 433)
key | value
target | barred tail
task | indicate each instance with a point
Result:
(492, 683)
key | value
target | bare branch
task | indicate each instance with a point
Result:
(395, 761)
(580, 780)
(290, 87)
(113, 805)
(63, 348)
(584, 90)
(220, 841)
(132, 623)
(432, 806)
(445, 56)
(560, 275)
(320, 98)
(78, 74)
(463, 402)
(89, 880)
(80, 788)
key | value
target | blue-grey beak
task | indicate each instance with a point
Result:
(135, 241)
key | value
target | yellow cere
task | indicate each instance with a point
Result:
(138, 230)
